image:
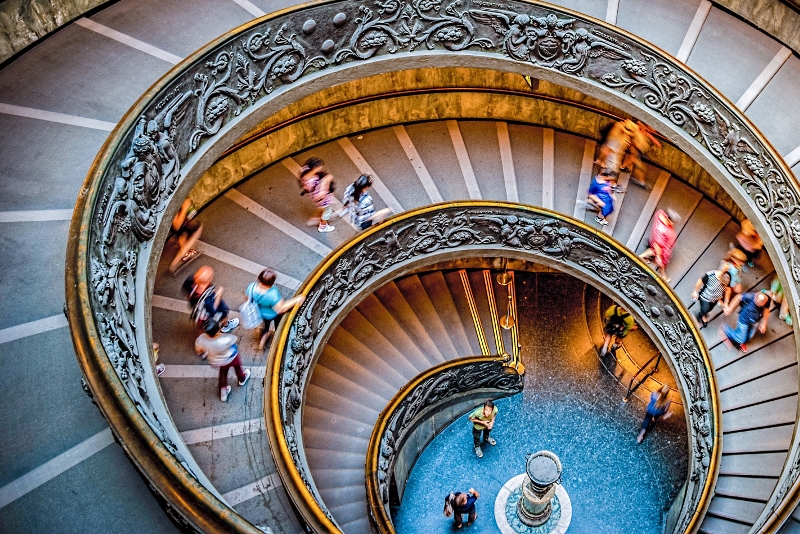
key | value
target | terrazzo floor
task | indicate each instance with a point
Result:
(571, 406)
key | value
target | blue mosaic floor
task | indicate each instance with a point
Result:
(570, 406)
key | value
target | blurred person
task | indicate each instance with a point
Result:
(206, 300)
(270, 303)
(615, 145)
(359, 204)
(753, 315)
(657, 410)
(662, 241)
(457, 504)
(187, 232)
(317, 183)
(709, 291)
(600, 196)
(619, 324)
(776, 293)
(221, 350)
(642, 140)
(749, 242)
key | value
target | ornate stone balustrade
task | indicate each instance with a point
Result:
(176, 131)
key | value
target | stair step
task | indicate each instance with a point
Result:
(317, 419)
(339, 404)
(348, 513)
(763, 389)
(773, 413)
(358, 390)
(351, 347)
(349, 367)
(720, 525)
(328, 479)
(756, 363)
(735, 509)
(335, 497)
(438, 291)
(358, 526)
(335, 459)
(757, 489)
(421, 357)
(760, 464)
(416, 296)
(770, 439)
(393, 299)
(360, 327)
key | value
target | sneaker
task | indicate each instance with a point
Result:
(601, 220)
(232, 323)
(478, 452)
(617, 189)
(743, 347)
(788, 320)
(160, 368)
(640, 437)
(325, 229)
(491, 441)
(246, 377)
(223, 393)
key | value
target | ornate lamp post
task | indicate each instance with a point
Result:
(543, 475)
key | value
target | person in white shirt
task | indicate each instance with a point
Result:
(220, 350)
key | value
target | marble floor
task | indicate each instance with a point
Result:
(571, 406)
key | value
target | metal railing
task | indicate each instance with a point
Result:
(631, 387)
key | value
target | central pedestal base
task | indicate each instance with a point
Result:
(505, 510)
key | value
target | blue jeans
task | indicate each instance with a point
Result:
(742, 334)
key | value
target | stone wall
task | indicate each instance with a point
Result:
(24, 21)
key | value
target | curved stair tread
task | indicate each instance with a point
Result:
(394, 300)
(352, 458)
(717, 525)
(772, 413)
(750, 488)
(436, 287)
(330, 479)
(357, 526)
(769, 464)
(482, 144)
(422, 357)
(346, 366)
(779, 384)
(737, 510)
(329, 422)
(360, 326)
(361, 393)
(338, 403)
(771, 439)
(704, 225)
(429, 314)
(767, 343)
(435, 147)
(348, 345)
(757, 363)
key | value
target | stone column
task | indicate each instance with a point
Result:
(544, 473)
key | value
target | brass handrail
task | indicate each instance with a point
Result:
(380, 453)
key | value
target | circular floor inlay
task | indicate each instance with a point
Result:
(505, 510)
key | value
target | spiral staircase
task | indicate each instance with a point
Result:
(61, 98)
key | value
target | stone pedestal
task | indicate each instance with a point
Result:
(544, 472)
(507, 518)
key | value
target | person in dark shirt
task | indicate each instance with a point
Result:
(457, 504)
(754, 314)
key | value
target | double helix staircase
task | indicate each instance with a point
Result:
(46, 149)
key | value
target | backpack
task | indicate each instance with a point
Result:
(199, 313)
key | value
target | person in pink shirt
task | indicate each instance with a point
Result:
(662, 240)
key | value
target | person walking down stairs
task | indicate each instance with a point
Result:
(657, 410)
(754, 314)
(359, 204)
(206, 300)
(483, 419)
(710, 290)
(270, 303)
(662, 241)
(221, 351)
(318, 184)
(619, 323)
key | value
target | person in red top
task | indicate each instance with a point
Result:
(662, 240)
